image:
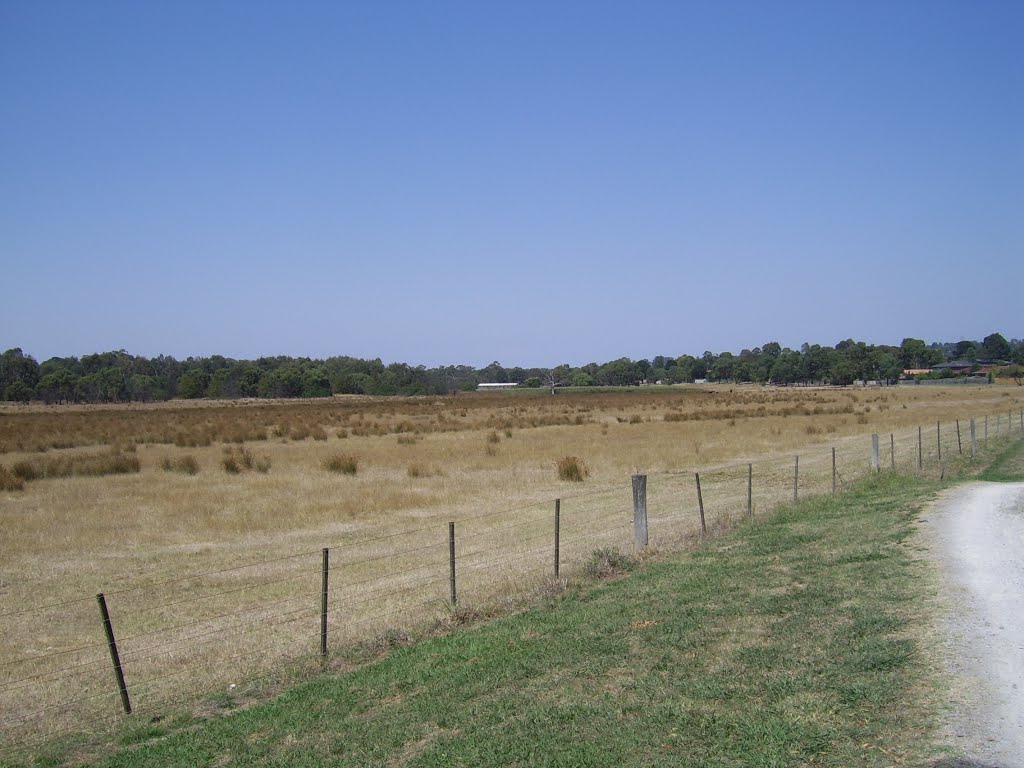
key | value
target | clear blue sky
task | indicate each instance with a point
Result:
(535, 182)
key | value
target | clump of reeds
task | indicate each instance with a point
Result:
(572, 469)
(343, 463)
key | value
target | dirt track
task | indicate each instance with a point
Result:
(979, 543)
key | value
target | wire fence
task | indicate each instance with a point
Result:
(203, 638)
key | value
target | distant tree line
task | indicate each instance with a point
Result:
(110, 377)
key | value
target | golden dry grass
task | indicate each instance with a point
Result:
(213, 577)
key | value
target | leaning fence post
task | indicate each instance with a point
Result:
(796, 478)
(323, 602)
(700, 506)
(833, 471)
(640, 511)
(451, 561)
(974, 439)
(558, 528)
(959, 445)
(750, 490)
(122, 688)
(874, 453)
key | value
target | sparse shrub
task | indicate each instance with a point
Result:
(490, 450)
(262, 464)
(318, 433)
(606, 562)
(27, 470)
(343, 463)
(508, 433)
(572, 469)
(407, 439)
(494, 437)
(186, 465)
(812, 429)
(10, 481)
(636, 418)
(87, 464)
(417, 470)
(342, 434)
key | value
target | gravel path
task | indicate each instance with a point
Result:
(979, 543)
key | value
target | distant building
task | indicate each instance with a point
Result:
(496, 385)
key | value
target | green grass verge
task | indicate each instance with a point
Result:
(787, 642)
(1008, 465)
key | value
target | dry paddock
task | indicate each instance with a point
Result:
(213, 578)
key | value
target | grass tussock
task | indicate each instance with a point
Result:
(606, 562)
(342, 463)
(238, 459)
(10, 481)
(185, 465)
(77, 465)
(572, 469)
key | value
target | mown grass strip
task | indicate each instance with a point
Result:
(789, 642)
(1008, 466)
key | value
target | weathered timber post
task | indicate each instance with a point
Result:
(796, 478)
(875, 464)
(920, 453)
(750, 490)
(833, 471)
(974, 439)
(892, 450)
(640, 511)
(959, 445)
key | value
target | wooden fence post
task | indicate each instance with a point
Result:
(974, 439)
(920, 453)
(938, 438)
(115, 657)
(833, 471)
(796, 478)
(875, 464)
(750, 490)
(892, 450)
(959, 445)
(640, 511)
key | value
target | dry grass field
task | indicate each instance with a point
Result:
(207, 535)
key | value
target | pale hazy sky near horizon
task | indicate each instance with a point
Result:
(530, 182)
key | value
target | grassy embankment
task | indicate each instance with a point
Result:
(793, 641)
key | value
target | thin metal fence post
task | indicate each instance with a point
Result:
(750, 490)
(986, 430)
(833, 471)
(558, 530)
(938, 438)
(892, 450)
(959, 445)
(115, 657)
(451, 562)
(700, 506)
(640, 511)
(920, 452)
(325, 568)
